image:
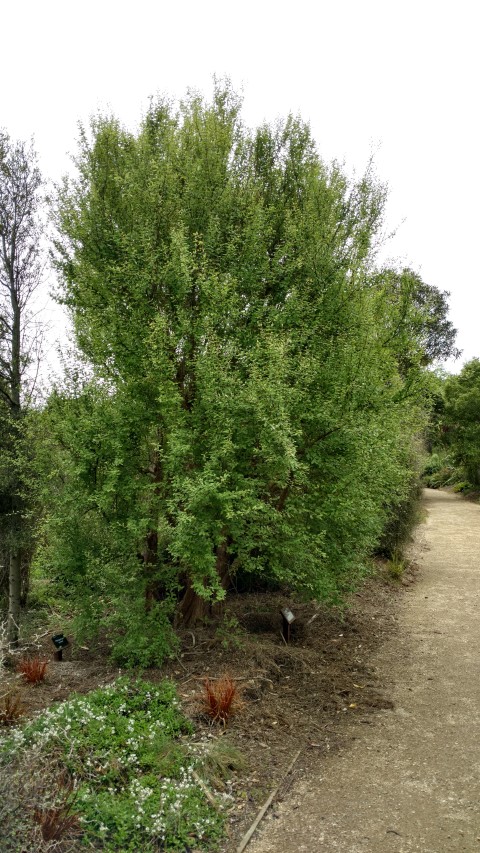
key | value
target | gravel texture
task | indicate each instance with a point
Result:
(409, 781)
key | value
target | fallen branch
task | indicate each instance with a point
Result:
(211, 799)
(246, 838)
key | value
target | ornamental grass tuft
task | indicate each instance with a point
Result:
(11, 709)
(221, 699)
(58, 821)
(33, 669)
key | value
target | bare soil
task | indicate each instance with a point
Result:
(317, 694)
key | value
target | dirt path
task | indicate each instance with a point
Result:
(411, 780)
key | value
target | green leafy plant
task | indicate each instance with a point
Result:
(463, 486)
(461, 420)
(230, 633)
(141, 638)
(439, 470)
(125, 749)
(252, 386)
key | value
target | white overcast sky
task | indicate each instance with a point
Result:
(400, 79)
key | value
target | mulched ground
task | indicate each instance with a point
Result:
(295, 696)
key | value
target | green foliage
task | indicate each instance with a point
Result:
(439, 470)
(18, 516)
(141, 638)
(461, 420)
(434, 464)
(463, 487)
(417, 325)
(244, 404)
(396, 566)
(229, 632)
(133, 779)
(404, 515)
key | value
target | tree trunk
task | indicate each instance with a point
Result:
(192, 606)
(20, 275)
(25, 579)
(153, 590)
(14, 591)
(150, 555)
(15, 569)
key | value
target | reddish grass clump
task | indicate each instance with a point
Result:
(11, 709)
(57, 821)
(33, 669)
(221, 698)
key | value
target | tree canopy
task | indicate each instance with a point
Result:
(251, 384)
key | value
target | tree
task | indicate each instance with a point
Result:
(418, 328)
(242, 411)
(460, 419)
(20, 275)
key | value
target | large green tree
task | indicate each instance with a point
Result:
(416, 321)
(243, 410)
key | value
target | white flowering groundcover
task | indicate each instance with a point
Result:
(126, 750)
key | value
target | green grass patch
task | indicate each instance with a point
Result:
(396, 566)
(125, 762)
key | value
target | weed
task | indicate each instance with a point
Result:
(396, 566)
(230, 632)
(33, 669)
(11, 709)
(219, 760)
(221, 699)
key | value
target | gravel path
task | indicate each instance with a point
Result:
(411, 781)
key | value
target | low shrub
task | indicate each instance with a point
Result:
(141, 639)
(403, 517)
(463, 487)
(124, 748)
(434, 463)
(218, 761)
(230, 633)
(439, 471)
